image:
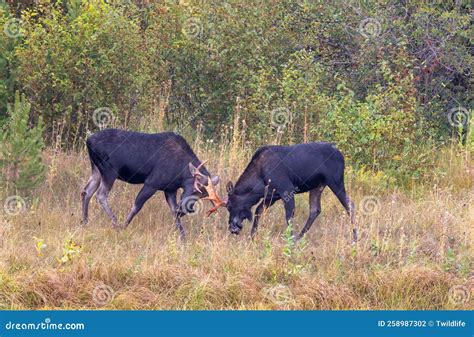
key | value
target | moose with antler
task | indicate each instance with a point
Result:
(161, 162)
(278, 173)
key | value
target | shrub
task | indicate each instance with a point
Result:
(72, 65)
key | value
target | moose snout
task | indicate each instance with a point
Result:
(235, 226)
(235, 230)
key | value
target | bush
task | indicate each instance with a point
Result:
(72, 65)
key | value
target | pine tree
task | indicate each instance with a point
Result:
(21, 148)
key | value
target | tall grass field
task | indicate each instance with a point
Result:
(414, 251)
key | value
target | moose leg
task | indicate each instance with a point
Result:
(172, 203)
(88, 192)
(314, 209)
(340, 192)
(102, 195)
(145, 193)
(258, 212)
(289, 211)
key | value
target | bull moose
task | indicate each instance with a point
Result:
(161, 162)
(278, 173)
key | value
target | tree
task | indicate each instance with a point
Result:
(20, 148)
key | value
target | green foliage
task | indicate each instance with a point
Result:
(73, 65)
(21, 147)
(382, 130)
(7, 64)
(449, 260)
(289, 240)
(373, 78)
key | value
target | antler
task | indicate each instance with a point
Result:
(198, 173)
(198, 168)
(211, 192)
(213, 197)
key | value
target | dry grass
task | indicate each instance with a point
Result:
(414, 247)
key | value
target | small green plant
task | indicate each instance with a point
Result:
(268, 247)
(354, 253)
(39, 245)
(293, 251)
(374, 248)
(449, 260)
(289, 240)
(339, 263)
(20, 149)
(71, 250)
(413, 251)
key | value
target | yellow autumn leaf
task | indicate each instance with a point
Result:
(39, 246)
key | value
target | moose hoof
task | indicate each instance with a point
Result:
(355, 235)
(118, 227)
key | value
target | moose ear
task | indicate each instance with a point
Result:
(192, 169)
(229, 187)
(215, 180)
